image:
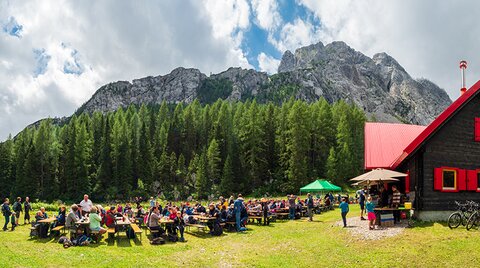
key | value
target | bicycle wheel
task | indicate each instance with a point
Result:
(472, 221)
(454, 220)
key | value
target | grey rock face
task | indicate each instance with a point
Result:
(378, 85)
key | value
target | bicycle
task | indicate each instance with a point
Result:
(461, 216)
(474, 219)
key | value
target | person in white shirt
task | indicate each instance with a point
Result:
(86, 205)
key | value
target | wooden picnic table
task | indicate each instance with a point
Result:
(204, 218)
(83, 221)
(48, 220)
(165, 221)
(120, 221)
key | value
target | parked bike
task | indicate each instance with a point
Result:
(462, 214)
(474, 219)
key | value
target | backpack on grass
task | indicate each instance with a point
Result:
(157, 241)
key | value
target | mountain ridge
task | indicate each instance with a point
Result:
(378, 85)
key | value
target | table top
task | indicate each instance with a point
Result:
(122, 221)
(204, 218)
(163, 220)
(83, 221)
(48, 220)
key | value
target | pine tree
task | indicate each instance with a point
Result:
(213, 163)
(297, 146)
(6, 167)
(227, 185)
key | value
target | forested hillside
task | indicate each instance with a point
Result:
(185, 149)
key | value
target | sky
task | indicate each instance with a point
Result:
(54, 54)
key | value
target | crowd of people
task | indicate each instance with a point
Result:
(234, 211)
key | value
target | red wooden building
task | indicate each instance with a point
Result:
(442, 159)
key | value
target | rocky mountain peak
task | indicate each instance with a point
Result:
(379, 85)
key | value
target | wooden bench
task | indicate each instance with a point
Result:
(95, 235)
(136, 230)
(282, 215)
(199, 226)
(59, 228)
(230, 225)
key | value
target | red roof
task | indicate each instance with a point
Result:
(437, 123)
(384, 142)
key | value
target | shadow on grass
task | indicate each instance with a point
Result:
(425, 224)
(201, 235)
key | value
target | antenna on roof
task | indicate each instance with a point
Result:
(463, 66)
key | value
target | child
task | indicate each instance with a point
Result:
(344, 208)
(370, 213)
(13, 221)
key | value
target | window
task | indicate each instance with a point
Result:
(449, 181)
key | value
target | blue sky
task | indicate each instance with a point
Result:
(256, 38)
(54, 54)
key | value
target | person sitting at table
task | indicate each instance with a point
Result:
(110, 217)
(256, 208)
(119, 212)
(72, 218)
(179, 224)
(223, 214)
(153, 223)
(188, 210)
(95, 221)
(201, 209)
(61, 218)
(128, 210)
(140, 214)
(214, 213)
(43, 227)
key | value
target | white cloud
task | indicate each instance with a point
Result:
(428, 38)
(106, 41)
(266, 13)
(267, 63)
(295, 35)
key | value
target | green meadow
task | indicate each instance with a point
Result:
(283, 244)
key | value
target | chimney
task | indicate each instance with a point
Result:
(463, 66)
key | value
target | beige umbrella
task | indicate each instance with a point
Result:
(379, 173)
(375, 181)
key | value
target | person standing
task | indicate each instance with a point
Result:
(361, 201)
(344, 210)
(396, 204)
(370, 213)
(7, 212)
(86, 205)
(27, 207)
(265, 210)
(238, 206)
(17, 208)
(310, 207)
(291, 207)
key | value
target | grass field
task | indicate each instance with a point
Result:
(284, 244)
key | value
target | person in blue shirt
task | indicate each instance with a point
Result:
(7, 212)
(344, 210)
(238, 206)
